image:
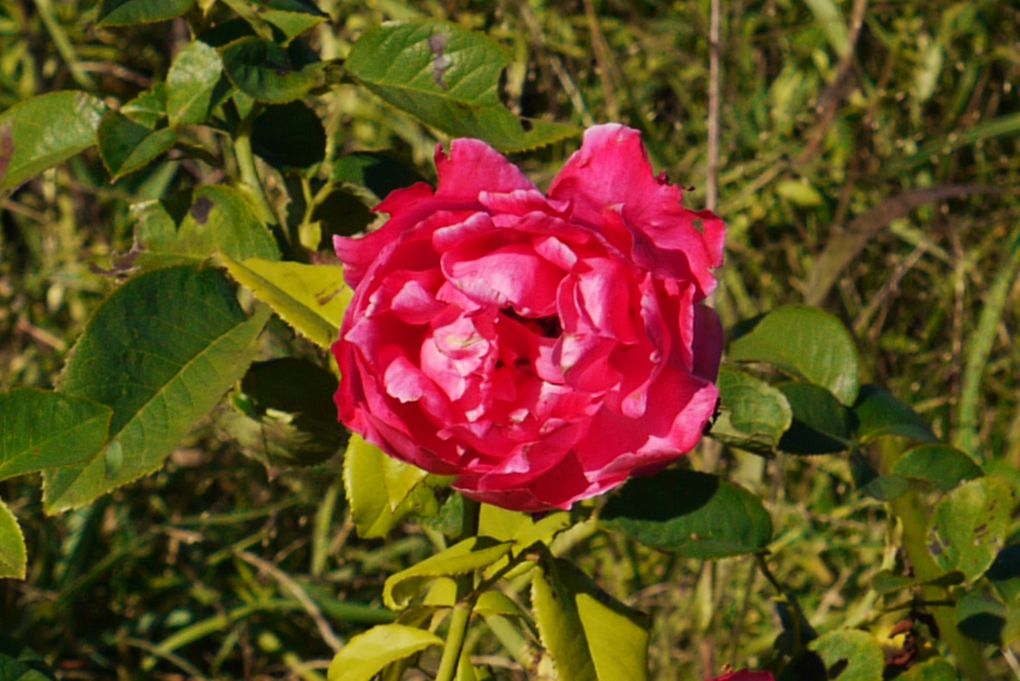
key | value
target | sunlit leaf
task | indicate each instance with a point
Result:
(43, 131)
(311, 298)
(467, 556)
(367, 653)
(127, 12)
(941, 466)
(753, 414)
(191, 83)
(808, 343)
(13, 558)
(857, 654)
(448, 77)
(970, 524)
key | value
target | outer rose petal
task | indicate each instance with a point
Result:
(542, 350)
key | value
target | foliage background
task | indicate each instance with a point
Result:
(868, 163)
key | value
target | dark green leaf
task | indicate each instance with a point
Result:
(128, 12)
(13, 558)
(981, 616)
(21, 663)
(287, 416)
(289, 136)
(191, 83)
(448, 77)
(380, 172)
(693, 514)
(808, 343)
(871, 484)
(292, 17)
(161, 351)
(42, 430)
(221, 219)
(941, 466)
(342, 213)
(970, 524)
(43, 131)
(126, 146)
(264, 71)
(821, 425)
(1004, 573)
(879, 414)
(888, 582)
(753, 414)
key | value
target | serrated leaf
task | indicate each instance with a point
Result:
(821, 425)
(970, 525)
(191, 83)
(126, 146)
(289, 137)
(367, 653)
(42, 430)
(474, 553)
(221, 219)
(448, 77)
(808, 343)
(378, 503)
(161, 351)
(264, 70)
(857, 654)
(128, 12)
(43, 131)
(311, 298)
(588, 633)
(692, 514)
(753, 414)
(880, 414)
(13, 558)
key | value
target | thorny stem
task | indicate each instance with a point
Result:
(461, 616)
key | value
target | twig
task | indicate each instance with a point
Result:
(299, 594)
(714, 76)
(603, 57)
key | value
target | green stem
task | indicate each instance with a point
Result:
(968, 655)
(249, 174)
(799, 619)
(454, 641)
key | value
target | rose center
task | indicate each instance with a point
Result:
(547, 327)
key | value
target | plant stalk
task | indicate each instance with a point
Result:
(461, 616)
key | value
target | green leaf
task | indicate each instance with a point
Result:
(880, 414)
(221, 220)
(367, 653)
(284, 414)
(941, 466)
(41, 430)
(970, 524)
(937, 669)
(886, 581)
(447, 77)
(474, 553)
(857, 653)
(263, 70)
(161, 351)
(191, 83)
(1004, 573)
(126, 146)
(13, 558)
(379, 171)
(292, 17)
(311, 298)
(753, 414)
(800, 193)
(695, 515)
(808, 343)
(148, 108)
(43, 131)
(981, 616)
(377, 489)
(128, 12)
(821, 425)
(588, 633)
(289, 137)
(20, 663)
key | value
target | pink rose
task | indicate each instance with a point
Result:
(542, 349)
(745, 675)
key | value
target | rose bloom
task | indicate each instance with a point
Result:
(540, 348)
(745, 675)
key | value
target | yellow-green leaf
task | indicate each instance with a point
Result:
(367, 653)
(474, 553)
(12, 545)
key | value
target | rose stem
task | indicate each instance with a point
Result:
(461, 616)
